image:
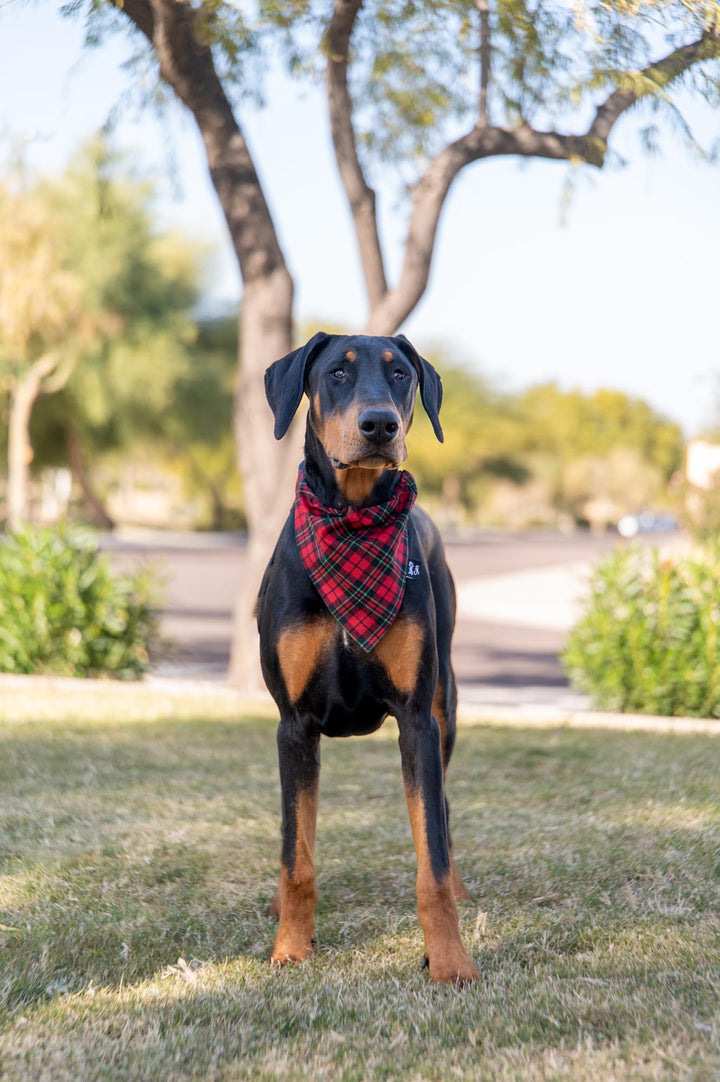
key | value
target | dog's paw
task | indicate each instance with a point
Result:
(288, 948)
(451, 967)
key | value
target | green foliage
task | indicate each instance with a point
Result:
(413, 72)
(144, 281)
(580, 424)
(64, 611)
(414, 63)
(199, 427)
(153, 379)
(480, 436)
(649, 640)
(702, 511)
(604, 447)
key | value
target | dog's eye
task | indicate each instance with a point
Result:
(338, 373)
(399, 375)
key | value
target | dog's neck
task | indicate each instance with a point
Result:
(351, 486)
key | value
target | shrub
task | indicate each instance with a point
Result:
(648, 641)
(64, 611)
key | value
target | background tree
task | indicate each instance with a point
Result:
(483, 442)
(139, 286)
(605, 446)
(435, 86)
(44, 323)
(199, 425)
(586, 457)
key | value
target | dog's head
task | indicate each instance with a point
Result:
(362, 395)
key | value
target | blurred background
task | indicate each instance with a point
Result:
(570, 308)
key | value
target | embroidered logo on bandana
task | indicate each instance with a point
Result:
(357, 557)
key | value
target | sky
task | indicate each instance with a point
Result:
(622, 291)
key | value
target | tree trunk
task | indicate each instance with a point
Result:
(98, 513)
(20, 452)
(176, 34)
(22, 399)
(268, 467)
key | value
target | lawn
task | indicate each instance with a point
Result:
(140, 850)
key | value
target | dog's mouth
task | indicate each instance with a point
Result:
(369, 462)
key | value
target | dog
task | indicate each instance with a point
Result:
(356, 613)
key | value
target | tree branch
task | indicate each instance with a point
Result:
(55, 381)
(39, 371)
(360, 196)
(484, 57)
(186, 64)
(484, 141)
(658, 75)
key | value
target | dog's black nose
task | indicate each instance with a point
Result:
(378, 425)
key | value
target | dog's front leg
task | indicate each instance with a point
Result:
(423, 777)
(299, 752)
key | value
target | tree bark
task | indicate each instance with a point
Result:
(22, 399)
(98, 512)
(361, 197)
(19, 455)
(484, 55)
(186, 64)
(268, 467)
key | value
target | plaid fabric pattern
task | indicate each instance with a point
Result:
(357, 557)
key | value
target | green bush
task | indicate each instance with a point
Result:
(648, 641)
(64, 611)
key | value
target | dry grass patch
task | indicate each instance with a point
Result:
(139, 854)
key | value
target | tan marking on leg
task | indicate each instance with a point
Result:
(300, 649)
(357, 484)
(274, 910)
(448, 960)
(460, 891)
(399, 653)
(438, 711)
(297, 893)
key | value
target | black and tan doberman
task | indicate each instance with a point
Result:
(326, 679)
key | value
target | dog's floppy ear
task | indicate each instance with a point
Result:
(285, 381)
(430, 383)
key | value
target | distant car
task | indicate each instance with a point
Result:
(647, 522)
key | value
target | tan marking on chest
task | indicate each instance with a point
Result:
(399, 652)
(357, 484)
(299, 651)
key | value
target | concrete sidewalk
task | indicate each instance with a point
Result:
(48, 698)
(546, 598)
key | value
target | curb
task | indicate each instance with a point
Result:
(532, 716)
(544, 718)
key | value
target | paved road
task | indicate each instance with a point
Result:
(516, 594)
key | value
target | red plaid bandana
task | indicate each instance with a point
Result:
(357, 557)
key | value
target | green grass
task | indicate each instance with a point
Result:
(139, 851)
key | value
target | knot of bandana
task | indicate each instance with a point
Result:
(357, 557)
